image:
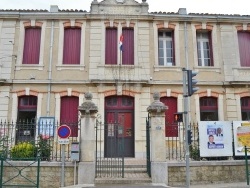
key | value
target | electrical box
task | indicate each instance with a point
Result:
(75, 154)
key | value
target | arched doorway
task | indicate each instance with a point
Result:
(119, 116)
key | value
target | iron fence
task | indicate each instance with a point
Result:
(176, 144)
(27, 139)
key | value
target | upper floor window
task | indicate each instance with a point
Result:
(166, 48)
(32, 41)
(127, 49)
(204, 48)
(111, 46)
(244, 48)
(245, 108)
(72, 45)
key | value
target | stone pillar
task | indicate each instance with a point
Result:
(157, 141)
(86, 168)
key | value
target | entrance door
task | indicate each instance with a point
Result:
(26, 118)
(119, 127)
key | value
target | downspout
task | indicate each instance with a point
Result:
(50, 68)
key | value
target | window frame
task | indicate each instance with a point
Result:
(209, 109)
(165, 54)
(200, 40)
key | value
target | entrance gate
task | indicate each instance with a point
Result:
(109, 164)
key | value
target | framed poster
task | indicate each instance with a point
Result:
(215, 138)
(46, 127)
(241, 131)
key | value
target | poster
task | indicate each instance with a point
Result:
(215, 138)
(46, 127)
(241, 137)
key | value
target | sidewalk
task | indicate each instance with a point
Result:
(224, 185)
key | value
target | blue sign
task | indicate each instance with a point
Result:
(64, 131)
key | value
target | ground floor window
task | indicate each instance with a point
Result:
(245, 108)
(208, 109)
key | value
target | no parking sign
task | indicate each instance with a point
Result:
(64, 133)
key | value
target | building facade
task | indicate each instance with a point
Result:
(122, 53)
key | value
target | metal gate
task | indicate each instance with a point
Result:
(109, 164)
(19, 176)
(148, 145)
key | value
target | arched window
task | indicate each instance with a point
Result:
(245, 108)
(208, 109)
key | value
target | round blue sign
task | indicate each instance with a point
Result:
(64, 131)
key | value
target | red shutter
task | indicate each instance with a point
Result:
(72, 46)
(128, 46)
(211, 48)
(111, 46)
(171, 127)
(244, 48)
(31, 51)
(69, 113)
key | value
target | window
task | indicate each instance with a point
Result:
(245, 108)
(208, 109)
(72, 46)
(111, 46)
(171, 127)
(204, 48)
(69, 113)
(128, 46)
(32, 40)
(244, 48)
(166, 48)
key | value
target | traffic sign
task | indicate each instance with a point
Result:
(64, 131)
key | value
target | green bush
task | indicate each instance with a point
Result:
(44, 148)
(3, 148)
(23, 151)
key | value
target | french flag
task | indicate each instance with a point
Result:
(121, 43)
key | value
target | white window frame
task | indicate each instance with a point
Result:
(165, 39)
(201, 39)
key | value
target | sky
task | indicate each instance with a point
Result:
(193, 6)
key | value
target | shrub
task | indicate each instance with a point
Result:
(23, 150)
(44, 148)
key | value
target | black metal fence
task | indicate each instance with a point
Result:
(176, 144)
(28, 139)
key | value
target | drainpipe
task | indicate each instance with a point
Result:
(53, 8)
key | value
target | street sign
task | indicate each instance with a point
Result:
(64, 131)
(63, 141)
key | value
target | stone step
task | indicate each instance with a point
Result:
(126, 180)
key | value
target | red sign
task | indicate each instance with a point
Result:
(64, 131)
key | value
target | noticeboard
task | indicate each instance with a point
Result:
(46, 127)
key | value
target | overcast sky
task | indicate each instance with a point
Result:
(193, 6)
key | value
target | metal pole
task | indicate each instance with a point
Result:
(186, 120)
(186, 107)
(63, 162)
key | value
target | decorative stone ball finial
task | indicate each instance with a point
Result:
(156, 96)
(88, 96)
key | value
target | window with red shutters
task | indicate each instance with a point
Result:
(244, 48)
(72, 46)
(208, 109)
(111, 46)
(128, 46)
(69, 113)
(170, 126)
(32, 41)
(245, 108)
(204, 48)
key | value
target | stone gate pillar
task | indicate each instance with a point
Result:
(159, 171)
(86, 168)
